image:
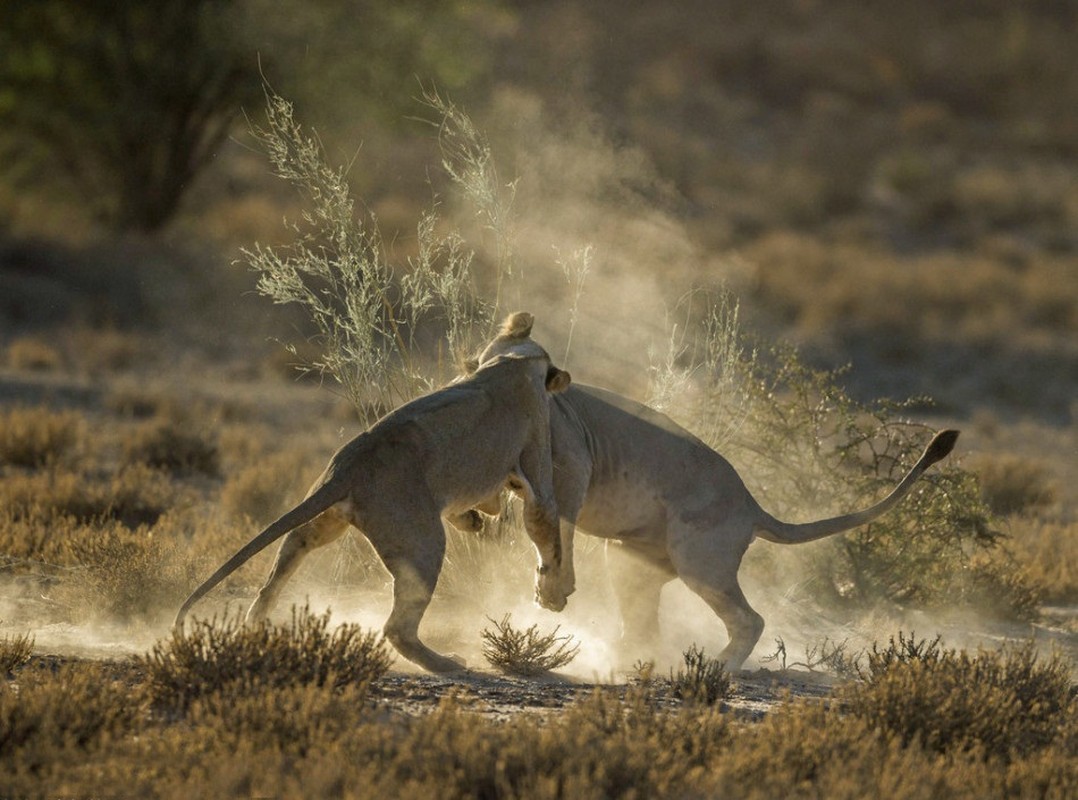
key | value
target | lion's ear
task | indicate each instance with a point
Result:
(471, 365)
(518, 325)
(557, 380)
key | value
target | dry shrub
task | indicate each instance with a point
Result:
(137, 495)
(127, 574)
(526, 652)
(104, 350)
(1012, 484)
(803, 750)
(140, 495)
(48, 715)
(227, 656)
(29, 542)
(603, 747)
(173, 445)
(51, 495)
(702, 680)
(1048, 553)
(14, 652)
(299, 719)
(139, 402)
(30, 353)
(807, 750)
(827, 655)
(262, 491)
(906, 298)
(316, 741)
(1004, 704)
(35, 437)
(1003, 588)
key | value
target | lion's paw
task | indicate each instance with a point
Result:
(548, 591)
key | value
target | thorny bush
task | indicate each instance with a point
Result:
(229, 656)
(526, 652)
(802, 443)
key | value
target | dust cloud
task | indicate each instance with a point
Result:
(576, 189)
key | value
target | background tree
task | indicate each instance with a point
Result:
(127, 101)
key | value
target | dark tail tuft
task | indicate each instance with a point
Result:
(940, 446)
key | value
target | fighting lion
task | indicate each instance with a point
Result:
(673, 508)
(440, 454)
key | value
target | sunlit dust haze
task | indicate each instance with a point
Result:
(850, 187)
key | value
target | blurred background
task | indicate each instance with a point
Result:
(888, 186)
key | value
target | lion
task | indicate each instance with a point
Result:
(672, 507)
(439, 454)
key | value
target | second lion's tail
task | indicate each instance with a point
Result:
(774, 530)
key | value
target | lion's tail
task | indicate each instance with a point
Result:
(774, 530)
(318, 501)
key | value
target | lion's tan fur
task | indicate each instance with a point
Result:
(439, 454)
(673, 507)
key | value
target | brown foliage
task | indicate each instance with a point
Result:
(227, 656)
(34, 437)
(14, 652)
(173, 445)
(1004, 704)
(1012, 484)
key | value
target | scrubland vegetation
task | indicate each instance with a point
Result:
(759, 220)
(294, 713)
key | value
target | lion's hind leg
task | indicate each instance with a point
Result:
(637, 576)
(412, 547)
(323, 529)
(743, 624)
(708, 565)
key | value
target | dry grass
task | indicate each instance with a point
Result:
(81, 728)
(1000, 705)
(876, 292)
(227, 657)
(35, 437)
(134, 401)
(135, 495)
(702, 679)
(1013, 484)
(262, 491)
(526, 652)
(32, 353)
(69, 713)
(14, 652)
(1047, 551)
(175, 445)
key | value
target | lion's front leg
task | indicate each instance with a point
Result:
(568, 570)
(533, 481)
(541, 523)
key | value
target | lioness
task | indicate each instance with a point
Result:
(676, 508)
(439, 454)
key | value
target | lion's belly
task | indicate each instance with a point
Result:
(618, 508)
